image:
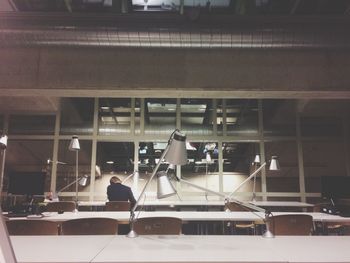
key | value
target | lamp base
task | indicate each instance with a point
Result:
(132, 234)
(268, 234)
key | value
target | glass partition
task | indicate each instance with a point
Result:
(114, 116)
(197, 116)
(77, 116)
(66, 172)
(286, 179)
(279, 117)
(28, 157)
(32, 124)
(160, 116)
(242, 117)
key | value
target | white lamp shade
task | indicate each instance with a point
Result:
(83, 180)
(274, 165)
(177, 153)
(74, 144)
(208, 157)
(257, 159)
(164, 186)
(3, 141)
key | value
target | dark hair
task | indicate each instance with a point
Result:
(114, 180)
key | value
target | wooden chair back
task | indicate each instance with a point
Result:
(292, 224)
(158, 226)
(90, 226)
(65, 206)
(117, 206)
(26, 227)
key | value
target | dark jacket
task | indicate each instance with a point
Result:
(120, 192)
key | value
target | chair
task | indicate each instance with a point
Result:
(247, 226)
(158, 226)
(291, 225)
(90, 226)
(329, 227)
(26, 227)
(65, 206)
(117, 206)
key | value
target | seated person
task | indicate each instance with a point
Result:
(116, 191)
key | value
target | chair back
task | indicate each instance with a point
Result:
(26, 227)
(298, 225)
(158, 226)
(90, 226)
(65, 206)
(117, 206)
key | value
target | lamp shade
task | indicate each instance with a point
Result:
(3, 142)
(177, 153)
(164, 186)
(274, 165)
(257, 159)
(83, 180)
(74, 144)
(208, 157)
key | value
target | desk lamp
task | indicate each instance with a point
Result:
(166, 189)
(6, 251)
(75, 146)
(174, 153)
(3, 146)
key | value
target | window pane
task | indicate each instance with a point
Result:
(1, 124)
(32, 124)
(66, 172)
(114, 116)
(323, 117)
(238, 165)
(202, 168)
(242, 117)
(287, 178)
(77, 115)
(160, 116)
(322, 159)
(197, 116)
(279, 117)
(28, 156)
(138, 116)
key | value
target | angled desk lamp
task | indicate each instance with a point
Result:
(6, 251)
(74, 145)
(82, 180)
(174, 153)
(165, 189)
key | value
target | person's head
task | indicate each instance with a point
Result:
(114, 180)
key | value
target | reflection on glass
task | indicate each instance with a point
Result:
(197, 116)
(160, 116)
(77, 115)
(202, 167)
(242, 117)
(1, 124)
(322, 158)
(287, 178)
(149, 155)
(32, 124)
(138, 116)
(115, 157)
(114, 116)
(279, 117)
(238, 164)
(29, 156)
(66, 173)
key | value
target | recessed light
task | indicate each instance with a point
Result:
(110, 162)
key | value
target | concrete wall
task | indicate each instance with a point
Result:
(174, 72)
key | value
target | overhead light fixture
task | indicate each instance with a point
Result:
(75, 146)
(110, 162)
(174, 153)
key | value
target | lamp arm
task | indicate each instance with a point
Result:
(246, 180)
(129, 176)
(148, 182)
(201, 188)
(76, 180)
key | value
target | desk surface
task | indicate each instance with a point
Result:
(180, 249)
(187, 216)
(203, 203)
